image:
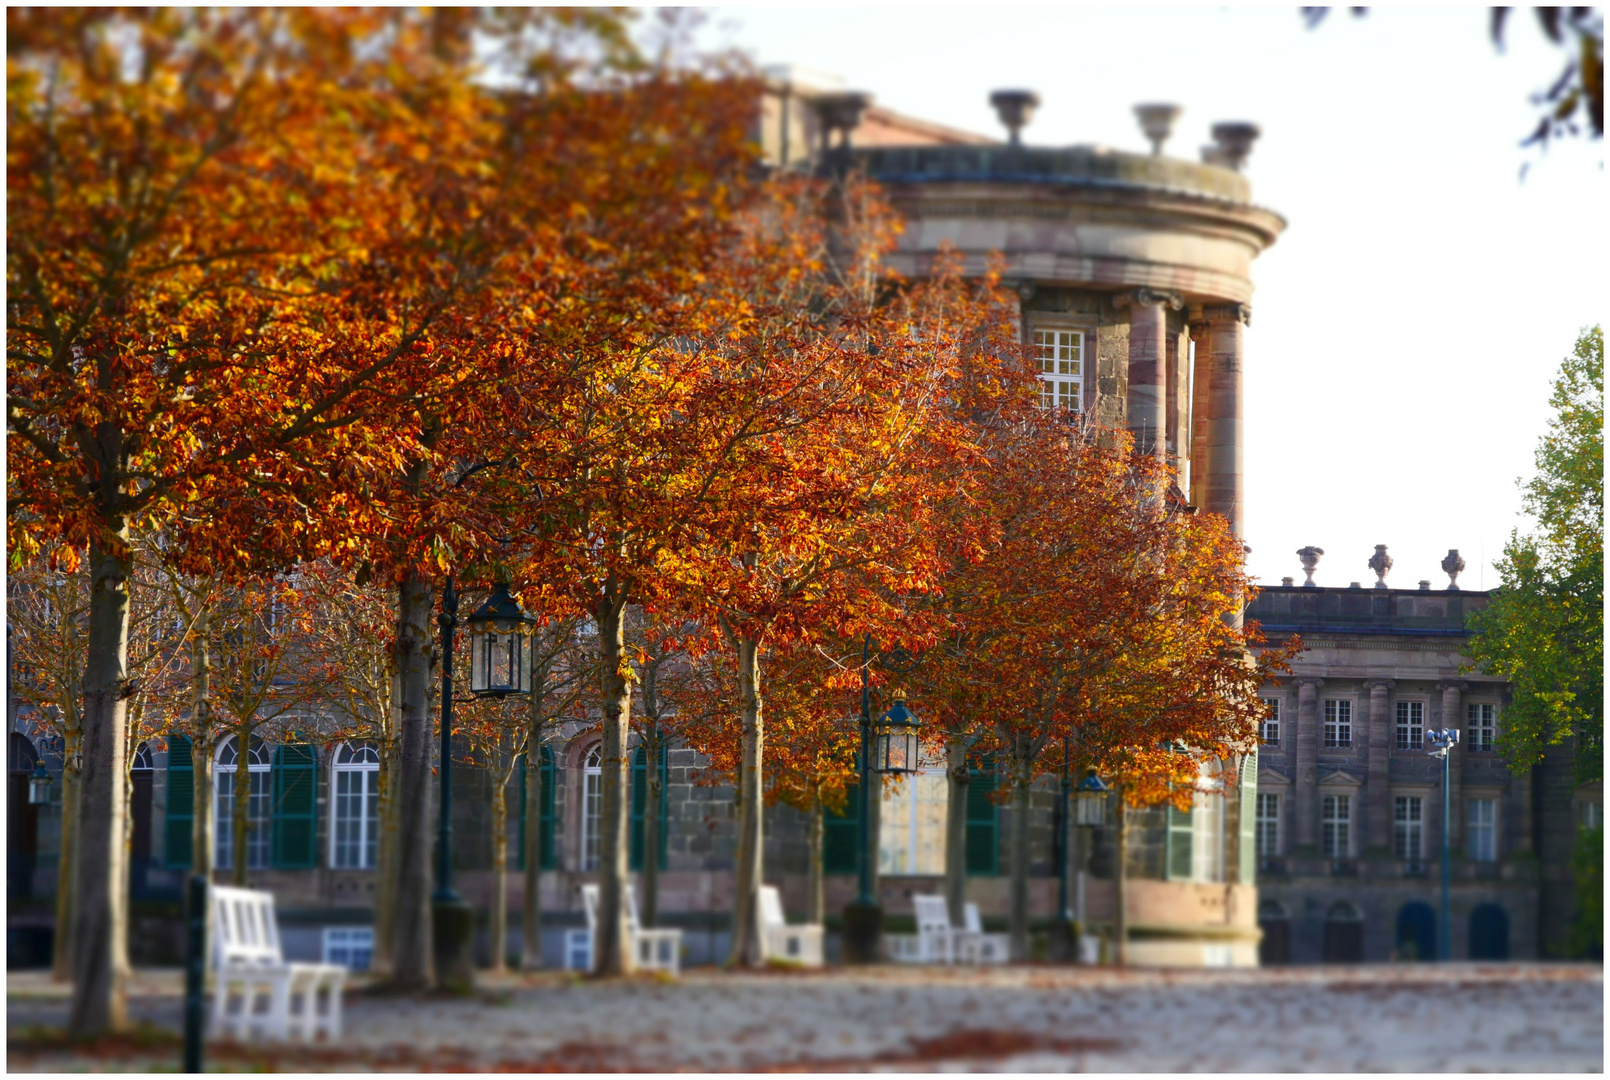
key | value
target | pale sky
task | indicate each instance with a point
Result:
(1407, 326)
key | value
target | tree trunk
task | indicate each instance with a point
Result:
(240, 819)
(412, 967)
(748, 950)
(531, 902)
(1020, 850)
(61, 961)
(99, 925)
(612, 952)
(201, 793)
(651, 829)
(1121, 879)
(500, 871)
(385, 859)
(956, 830)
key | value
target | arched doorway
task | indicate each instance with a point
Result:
(1275, 922)
(1417, 931)
(1344, 934)
(22, 818)
(1489, 933)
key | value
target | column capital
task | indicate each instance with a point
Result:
(1149, 297)
(1237, 312)
(1453, 684)
(1311, 683)
(1383, 685)
(1198, 330)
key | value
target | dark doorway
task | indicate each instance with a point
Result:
(22, 818)
(1489, 933)
(1417, 931)
(142, 780)
(1275, 948)
(1344, 934)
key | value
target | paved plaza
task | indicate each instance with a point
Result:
(1458, 1018)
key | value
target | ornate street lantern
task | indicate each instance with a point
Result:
(39, 786)
(895, 745)
(1091, 801)
(499, 633)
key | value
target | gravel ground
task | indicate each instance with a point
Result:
(1403, 1018)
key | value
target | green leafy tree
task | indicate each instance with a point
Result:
(1543, 629)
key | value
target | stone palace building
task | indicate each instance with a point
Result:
(1134, 273)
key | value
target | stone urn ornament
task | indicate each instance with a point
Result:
(1381, 563)
(1310, 557)
(1452, 566)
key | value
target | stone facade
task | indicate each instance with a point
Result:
(1382, 666)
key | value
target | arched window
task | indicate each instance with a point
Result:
(142, 779)
(1344, 934)
(355, 795)
(258, 803)
(592, 799)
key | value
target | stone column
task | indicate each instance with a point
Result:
(1304, 795)
(1223, 482)
(1378, 775)
(1452, 691)
(1145, 407)
(1199, 390)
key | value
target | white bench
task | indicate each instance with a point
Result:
(935, 939)
(654, 950)
(973, 946)
(800, 944)
(257, 992)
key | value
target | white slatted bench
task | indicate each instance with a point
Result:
(973, 946)
(257, 993)
(935, 939)
(654, 950)
(800, 944)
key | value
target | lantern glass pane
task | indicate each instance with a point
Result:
(38, 792)
(498, 677)
(1091, 809)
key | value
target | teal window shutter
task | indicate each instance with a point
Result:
(181, 804)
(1179, 841)
(983, 820)
(640, 807)
(294, 842)
(545, 850)
(841, 834)
(1249, 823)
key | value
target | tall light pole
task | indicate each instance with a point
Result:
(1065, 935)
(498, 668)
(1441, 741)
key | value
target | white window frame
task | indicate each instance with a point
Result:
(1409, 827)
(1058, 385)
(341, 943)
(592, 805)
(1591, 816)
(1271, 722)
(1267, 823)
(1481, 726)
(912, 823)
(1410, 717)
(259, 804)
(355, 762)
(1338, 723)
(1481, 829)
(1336, 826)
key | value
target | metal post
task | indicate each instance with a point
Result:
(1064, 913)
(448, 621)
(1446, 937)
(195, 975)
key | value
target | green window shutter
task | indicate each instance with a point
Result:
(547, 854)
(983, 820)
(841, 835)
(181, 804)
(294, 845)
(1178, 850)
(640, 808)
(1249, 821)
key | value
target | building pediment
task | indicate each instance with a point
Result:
(1268, 776)
(1340, 777)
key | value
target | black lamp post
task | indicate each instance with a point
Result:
(498, 667)
(1064, 937)
(889, 745)
(1090, 811)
